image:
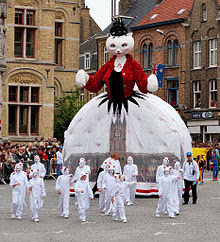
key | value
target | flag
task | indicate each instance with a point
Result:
(160, 74)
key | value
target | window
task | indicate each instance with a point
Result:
(172, 92)
(197, 54)
(147, 55)
(24, 35)
(12, 120)
(58, 43)
(213, 93)
(26, 110)
(87, 61)
(150, 55)
(91, 95)
(13, 94)
(175, 53)
(35, 94)
(82, 95)
(197, 94)
(213, 52)
(169, 53)
(204, 13)
(105, 55)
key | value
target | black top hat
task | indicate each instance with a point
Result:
(118, 28)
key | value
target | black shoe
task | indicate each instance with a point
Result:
(194, 203)
(185, 203)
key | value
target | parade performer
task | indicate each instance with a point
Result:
(101, 190)
(201, 164)
(63, 189)
(38, 166)
(118, 198)
(191, 178)
(37, 194)
(83, 195)
(178, 187)
(108, 186)
(166, 193)
(152, 125)
(214, 160)
(130, 173)
(160, 169)
(18, 182)
(82, 167)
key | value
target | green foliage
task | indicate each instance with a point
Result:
(66, 108)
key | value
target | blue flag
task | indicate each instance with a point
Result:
(160, 74)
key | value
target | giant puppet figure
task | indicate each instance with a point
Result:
(152, 126)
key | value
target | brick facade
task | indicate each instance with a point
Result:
(39, 72)
(203, 119)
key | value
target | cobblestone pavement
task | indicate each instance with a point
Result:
(200, 222)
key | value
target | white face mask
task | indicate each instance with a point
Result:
(66, 172)
(18, 169)
(130, 161)
(81, 164)
(111, 172)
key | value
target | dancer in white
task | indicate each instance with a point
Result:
(160, 169)
(37, 194)
(118, 198)
(83, 195)
(108, 185)
(63, 189)
(178, 191)
(18, 182)
(101, 190)
(130, 173)
(38, 166)
(165, 193)
(82, 168)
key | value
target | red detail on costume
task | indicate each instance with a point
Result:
(132, 73)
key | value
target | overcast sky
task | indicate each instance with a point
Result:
(100, 11)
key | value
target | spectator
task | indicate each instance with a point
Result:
(59, 160)
(37, 142)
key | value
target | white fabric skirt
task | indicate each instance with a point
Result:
(153, 127)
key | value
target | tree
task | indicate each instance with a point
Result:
(66, 108)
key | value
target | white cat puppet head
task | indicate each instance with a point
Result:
(120, 45)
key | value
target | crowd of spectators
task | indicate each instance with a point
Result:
(11, 154)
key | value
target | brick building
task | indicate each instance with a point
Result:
(160, 38)
(202, 82)
(41, 61)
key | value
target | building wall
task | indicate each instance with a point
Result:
(203, 31)
(41, 70)
(170, 32)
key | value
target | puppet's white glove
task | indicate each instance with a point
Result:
(152, 83)
(81, 78)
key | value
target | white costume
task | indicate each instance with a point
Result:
(83, 193)
(100, 183)
(18, 182)
(178, 189)
(63, 185)
(82, 168)
(37, 192)
(119, 196)
(130, 173)
(108, 185)
(165, 191)
(160, 169)
(37, 166)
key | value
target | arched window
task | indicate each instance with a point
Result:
(204, 13)
(150, 55)
(145, 56)
(176, 53)
(169, 53)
